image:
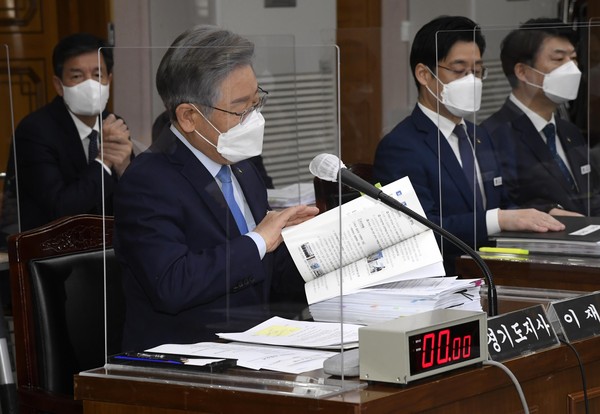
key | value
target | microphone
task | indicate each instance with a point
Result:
(329, 167)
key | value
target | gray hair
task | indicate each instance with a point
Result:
(197, 62)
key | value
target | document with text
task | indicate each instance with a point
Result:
(363, 243)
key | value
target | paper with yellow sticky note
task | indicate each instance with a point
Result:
(305, 334)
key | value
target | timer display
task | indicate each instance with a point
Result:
(422, 345)
(446, 346)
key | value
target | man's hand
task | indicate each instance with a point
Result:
(528, 220)
(275, 221)
(116, 145)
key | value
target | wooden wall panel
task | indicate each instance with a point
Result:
(359, 40)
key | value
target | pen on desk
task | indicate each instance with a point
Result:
(142, 356)
(505, 250)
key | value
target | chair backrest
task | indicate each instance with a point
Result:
(327, 193)
(58, 286)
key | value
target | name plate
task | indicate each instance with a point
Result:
(521, 332)
(576, 318)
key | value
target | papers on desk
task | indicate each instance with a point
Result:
(303, 334)
(287, 357)
(289, 360)
(393, 300)
(291, 195)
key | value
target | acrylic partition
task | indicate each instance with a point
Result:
(518, 166)
(188, 271)
(9, 218)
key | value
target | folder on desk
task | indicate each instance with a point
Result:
(581, 237)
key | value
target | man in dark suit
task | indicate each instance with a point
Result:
(200, 253)
(435, 146)
(57, 172)
(544, 157)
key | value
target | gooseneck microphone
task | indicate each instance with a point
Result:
(329, 167)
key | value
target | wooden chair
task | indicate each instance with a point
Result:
(327, 193)
(58, 299)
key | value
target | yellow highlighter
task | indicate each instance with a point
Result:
(504, 250)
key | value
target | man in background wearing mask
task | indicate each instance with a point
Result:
(544, 158)
(435, 146)
(59, 166)
(199, 252)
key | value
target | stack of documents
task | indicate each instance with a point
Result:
(581, 237)
(393, 300)
(292, 195)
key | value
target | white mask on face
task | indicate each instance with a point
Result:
(560, 85)
(242, 141)
(87, 98)
(461, 97)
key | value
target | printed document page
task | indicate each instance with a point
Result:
(363, 243)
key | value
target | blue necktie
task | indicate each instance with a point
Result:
(224, 175)
(468, 161)
(550, 132)
(93, 146)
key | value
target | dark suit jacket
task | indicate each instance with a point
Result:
(531, 175)
(411, 149)
(54, 177)
(188, 272)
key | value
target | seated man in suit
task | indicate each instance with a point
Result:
(458, 191)
(59, 166)
(544, 158)
(199, 252)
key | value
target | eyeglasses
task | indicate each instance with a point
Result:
(480, 72)
(262, 99)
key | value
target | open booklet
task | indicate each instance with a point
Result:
(363, 243)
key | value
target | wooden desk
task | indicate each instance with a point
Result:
(537, 271)
(550, 379)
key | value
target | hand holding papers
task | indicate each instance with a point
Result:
(363, 243)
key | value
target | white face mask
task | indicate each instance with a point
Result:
(242, 141)
(461, 97)
(86, 98)
(560, 85)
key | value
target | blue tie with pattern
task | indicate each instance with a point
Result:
(224, 175)
(93, 146)
(468, 161)
(550, 133)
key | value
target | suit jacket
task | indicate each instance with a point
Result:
(411, 149)
(54, 177)
(188, 272)
(531, 174)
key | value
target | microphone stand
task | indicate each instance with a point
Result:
(395, 204)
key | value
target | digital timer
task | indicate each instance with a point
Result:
(420, 345)
(446, 346)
